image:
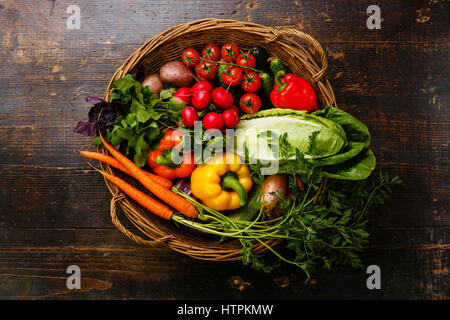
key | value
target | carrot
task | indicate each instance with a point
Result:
(143, 199)
(116, 164)
(176, 201)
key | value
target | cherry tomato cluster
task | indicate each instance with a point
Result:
(237, 73)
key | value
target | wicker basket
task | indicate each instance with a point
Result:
(302, 53)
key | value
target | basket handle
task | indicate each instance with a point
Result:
(310, 41)
(115, 220)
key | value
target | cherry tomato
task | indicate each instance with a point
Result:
(183, 94)
(190, 57)
(189, 115)
(232, 76)
(246, 60)
(202, 85)
(211, 52)
(222, 98)
(229, 52)
(230, 118)
(251, 82)
(212, 120)
(206, 70)
(250, 102)
(201, 99)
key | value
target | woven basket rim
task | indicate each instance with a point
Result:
(285, 37)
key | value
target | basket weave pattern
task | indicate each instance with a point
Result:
(304, 56)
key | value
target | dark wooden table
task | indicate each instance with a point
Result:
(55, 209)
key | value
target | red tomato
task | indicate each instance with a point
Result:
(190, 57)
(201, 99)
(232, 76)
(202, 85)
(212, 120)
(230, 118)
(183, 94)
(250, 102)
(251, 82)
(246, 60)
(229, 52)
(222, 98)
(189, 115)
(211, 52)
(206, 70)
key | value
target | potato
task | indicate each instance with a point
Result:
(177, 74)
(154, 83)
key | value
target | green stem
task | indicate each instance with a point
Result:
(233, 64)
(230, 181)
(278, 76)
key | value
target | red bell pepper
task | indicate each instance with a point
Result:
(160, 160)
(292, 92)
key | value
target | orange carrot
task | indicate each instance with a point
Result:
(143, 199)
(116, 164)
(176, 201)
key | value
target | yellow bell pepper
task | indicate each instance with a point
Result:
(222, 183)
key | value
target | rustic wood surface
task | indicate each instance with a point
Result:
(55, 209)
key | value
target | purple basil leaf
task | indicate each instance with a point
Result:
(86, 128)
(93, 100)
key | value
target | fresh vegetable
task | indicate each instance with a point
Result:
(222, 98)
(116, 164)
(165, 195)
(206, 70)
(250, 103)
(245, 60)
(167, 92)
(202, 86)
(211, 52)
(138, 126)
(274, 190)
(153, 82)
(211, 181)
(212, 120)
(229, 52)
(277, 65)
(177, 74)
(232, 76)
(251, 82)
(230, 118)
(329, 138)
(143, 199)
(267, 83)
(190, 57)
(292, 92)
(160, 160)
(183, 94)
(220, 70)
(101, 116)
(189, 115)
(261, 58)
(201, 99)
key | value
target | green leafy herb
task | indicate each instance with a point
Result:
(144, 116)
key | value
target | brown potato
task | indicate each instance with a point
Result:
(154, 83)
(177, 74)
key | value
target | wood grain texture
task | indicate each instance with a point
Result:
(54, 207)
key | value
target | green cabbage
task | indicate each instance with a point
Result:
(329, 138)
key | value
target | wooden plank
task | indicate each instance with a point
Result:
(124, 270)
